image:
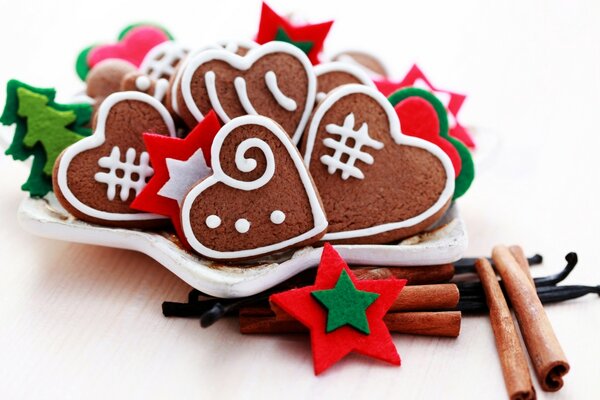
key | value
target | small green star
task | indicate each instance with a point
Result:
(282, 36)
(345, 304)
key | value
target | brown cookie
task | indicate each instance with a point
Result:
(335, 74)
(98, 177)
(105, 78)
(239, 47)
(137, 81)
(377, 184)
(260, 198)
(368, 62)
(275, 80)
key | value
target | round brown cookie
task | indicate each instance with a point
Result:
(98, 177)
(105, 78)
(377, 184)
(368, 62)
(335, 74)
(260, 198)
(275, 80)
(137, 81)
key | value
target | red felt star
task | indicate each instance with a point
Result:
(329, 348)
(176, 154)
(452, 101)
(272, 23)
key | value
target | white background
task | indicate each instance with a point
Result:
(84, 322)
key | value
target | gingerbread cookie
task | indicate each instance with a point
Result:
(335, 74)
(239, 47)
(367, 62)
(377, 184)
(275, 80)
(163, 59)
(260, 198)
(98, 177)
(106, 77)
(140, 82)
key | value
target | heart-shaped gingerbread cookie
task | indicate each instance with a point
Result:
(275, 80)
(260, 198)
(335, 74)
(377, 184)
(98, 177)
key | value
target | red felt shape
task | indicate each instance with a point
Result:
(452, 101)
(329, 348)
(418, 118)
(133, 47)
(162, 147)
(271, 22)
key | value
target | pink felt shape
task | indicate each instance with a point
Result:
(133, 47)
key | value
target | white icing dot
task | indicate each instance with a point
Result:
(212, 221)
(277, 217)
(242, 225)
(143, 83)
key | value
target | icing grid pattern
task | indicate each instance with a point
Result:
(163, 61)
(128, 168)
(361, 138)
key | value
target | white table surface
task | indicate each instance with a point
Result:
(85, 322)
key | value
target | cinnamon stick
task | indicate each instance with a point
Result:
(546, 354)
(519, 255)
(446, 324)
(427, 297)
(421, 275)
(517, 377)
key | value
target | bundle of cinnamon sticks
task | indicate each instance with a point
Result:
(546, 354)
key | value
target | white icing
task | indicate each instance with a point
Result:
(285, 102)
(240, 87)
(321, 96)
(243, 64)
(160, 89)
(227, 45)
(248, 165)
(213, 221)
(211, 88)
(400, 138)
(349, 60)
(97, 139)
(143, 83)
(242, 225)
(277, 217)
(183, 174)
(361, 138)
(125, 168)
(319, 220)
(160, 61)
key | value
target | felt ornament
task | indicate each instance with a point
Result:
(422, 115)
(38, 136)
(452, 101)
(335, 331)
(308, 38)
(133, 43)
(178, 165)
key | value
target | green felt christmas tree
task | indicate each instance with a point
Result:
(43, 129)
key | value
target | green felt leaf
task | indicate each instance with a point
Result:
(467, 173)
(82, 67)
(345, 304)
(46, 126)
(282, 36)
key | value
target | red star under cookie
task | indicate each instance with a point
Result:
(452, 101)
(308, 38)
(334, 310)
(178, 164)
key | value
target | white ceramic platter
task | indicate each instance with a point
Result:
(45, 217)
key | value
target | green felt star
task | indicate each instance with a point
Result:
(345, 304)
(282, 36)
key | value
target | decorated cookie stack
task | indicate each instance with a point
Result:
(245, 148)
